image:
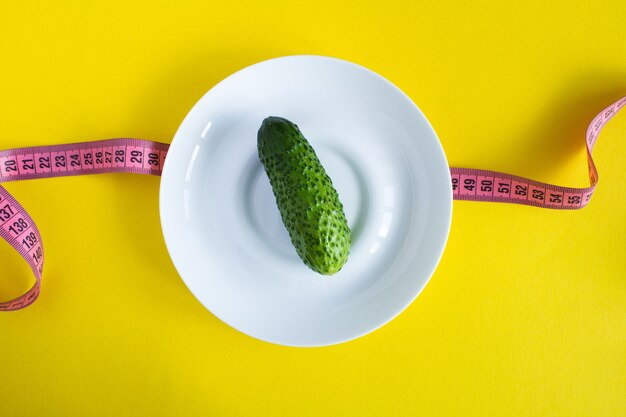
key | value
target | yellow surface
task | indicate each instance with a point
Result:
(525, 316)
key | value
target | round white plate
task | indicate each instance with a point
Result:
(223, 229)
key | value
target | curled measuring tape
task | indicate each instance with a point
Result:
(146, 157)
(483, 185)
(113, 155)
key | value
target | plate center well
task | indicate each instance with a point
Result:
(262, 212)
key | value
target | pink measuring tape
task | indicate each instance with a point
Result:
(147, 157)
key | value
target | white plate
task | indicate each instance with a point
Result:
(223, 230)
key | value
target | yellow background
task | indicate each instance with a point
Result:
(525, 315)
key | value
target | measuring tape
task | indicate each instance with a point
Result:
(482, 185)
(18, 228)
(146, 157)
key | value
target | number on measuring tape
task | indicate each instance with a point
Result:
(26, 164)
(17, 227)
(86, 158)
(108, 157)
(119, 156)
(98, 158)
(58, 162)
(29, 240)
(519, 190)
(573, 199)
(153, 160)
(43, 162)
(455, 184)
(468, 184)
(502, 187)
(73, 159)
(134, 156)
(8, 166)
(38, 254)
(537, 194)
(485, 186)
(556, 198)
(6, 212)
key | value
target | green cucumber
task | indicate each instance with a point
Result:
(308, 203)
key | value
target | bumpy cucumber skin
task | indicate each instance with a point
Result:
(308, 203)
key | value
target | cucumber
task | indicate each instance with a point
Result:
(308, 203)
